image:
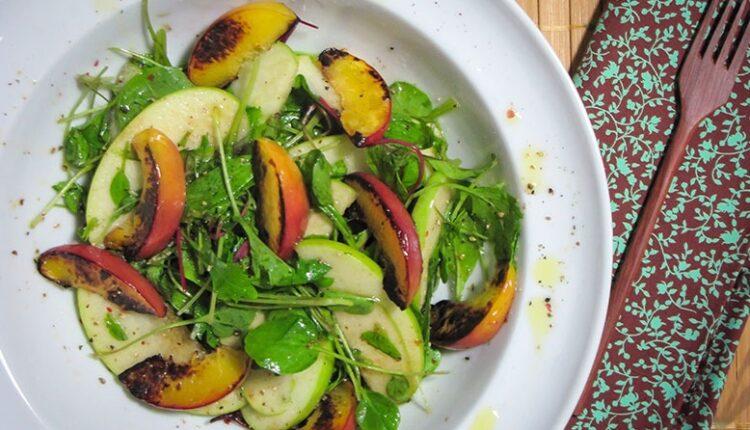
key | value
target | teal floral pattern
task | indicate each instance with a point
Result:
(666, 365)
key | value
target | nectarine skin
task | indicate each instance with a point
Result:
(157, 215)
(236, 37)
(365, 98)
(163, 383)
(393, 228)
(282, 198)
(103, 273)
(466, 325)
(336, 411)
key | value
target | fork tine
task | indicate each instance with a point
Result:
(700, 37)
(733, 32)
(718, 29)
(741, 53)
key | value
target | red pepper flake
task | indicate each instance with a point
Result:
(14, 252)
(96, 63)
(109, 309)
(510, 113)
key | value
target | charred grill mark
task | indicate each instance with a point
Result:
(232, 417)
(282, 203)
(260, 171)
(117, 296)
(451, 321)
(359, 140)
(148, 379)
(330, 55)
(218, 42)
(145, 211)
(323, 417)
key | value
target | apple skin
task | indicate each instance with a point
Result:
(236, 37)
(205, 379)
(157, 215)
(365, 99)
(336, 411)
(466, 325)
(103, 273)
(393, 228)
(282, 198)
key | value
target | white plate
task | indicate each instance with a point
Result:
(488, 55)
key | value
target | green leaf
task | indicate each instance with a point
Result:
(377, 412)
(151, 84)
(84, 232)
(452, 168)
(282, 343)
(397, 166)
(378, 339)
(84, 143)
(74, 197)
(397, 389)
(409, 100)
(119, 188)
(114, 328)
(410, 129)
(229, 320)
(432, 358)
(230, 282)
(206, 196)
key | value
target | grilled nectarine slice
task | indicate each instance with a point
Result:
(236, 37)
(468, 324)
(281, 195)
(157, 215)
(103, 273)
(390, 223)
(205, 379)
(365, 99)
(336, 411)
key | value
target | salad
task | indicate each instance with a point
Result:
(263, 230)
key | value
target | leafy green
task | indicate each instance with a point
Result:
(151, 84)
(378, 339)
(317, 173)
(230, 282)
(158, 38)
(73, 198)
(409, 100)
(432, 359)
(114, 328)
(229, 320)
(359, 305)
(119, 188)
(282, 343)
(377, 412)
(206, 196)
(397, 389)
(452, 168)
(82, 144)
(396, 165)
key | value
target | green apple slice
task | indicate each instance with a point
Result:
(294, 397)
(184, 116)
(428, 221)
(266, 81)
(316, 82)
(343, 197)
(93, 310)
(355, 273)
(335, 148)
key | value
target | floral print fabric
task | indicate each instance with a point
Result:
(666, 364)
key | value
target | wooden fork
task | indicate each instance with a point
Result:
(707, 76)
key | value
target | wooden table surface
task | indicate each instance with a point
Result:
(564, 24)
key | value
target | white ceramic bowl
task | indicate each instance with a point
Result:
(485, 53)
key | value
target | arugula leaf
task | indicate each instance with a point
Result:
(158, 38)
(119, 188)
(409, 100)
(397, 389)
(397, 166)
(410, 129)
(84, 143)
(378, 339)
(74, 197)
(317, 173)
(452, 168)
(151, 84)
(377, 412)
(230, 282)
(495, 207)
(282, 343)
(229, 320)
(206, 196)
(114, 328)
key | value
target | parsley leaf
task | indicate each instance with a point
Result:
(230, 282)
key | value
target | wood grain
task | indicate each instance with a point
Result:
(565, 24)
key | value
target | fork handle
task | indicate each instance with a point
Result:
(631, 263)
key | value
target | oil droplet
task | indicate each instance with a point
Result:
(533, 174)
(548, 272)
(485, 420)
(540, 318)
